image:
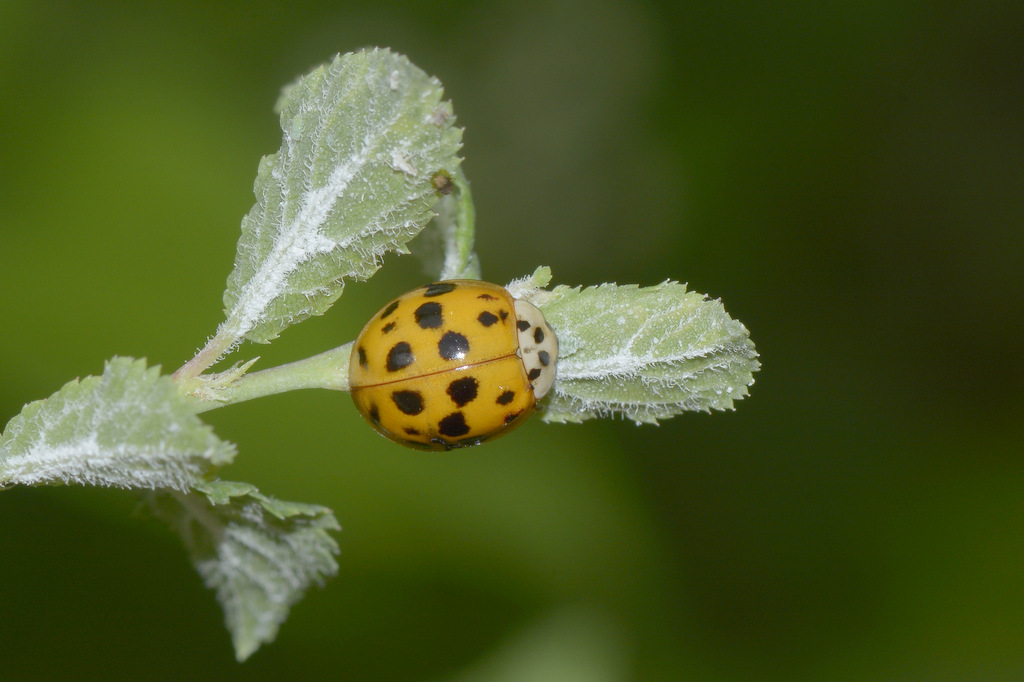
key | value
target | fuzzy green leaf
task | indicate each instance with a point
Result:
(644, 353)
(128, 428)
(258, 553)
(365, 138)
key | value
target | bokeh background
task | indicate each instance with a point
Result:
(848, 177)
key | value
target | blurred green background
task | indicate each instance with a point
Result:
(848, 177)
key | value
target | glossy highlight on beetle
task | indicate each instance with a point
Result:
(452, 364)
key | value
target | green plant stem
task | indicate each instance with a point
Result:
(327, 370)
(465, 222)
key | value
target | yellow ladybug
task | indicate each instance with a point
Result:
(452, 364)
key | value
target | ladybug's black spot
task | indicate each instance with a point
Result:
(438, 288)
(544, 357)
(506, 397)
(362, 358)
(538, 336)
(522, 325)
(453, 346)
(400, 356)
(487, 297)
(487, 319)
(409, 402)
(463, 390)
(392, 307)
(374, 414)
(409, 431)
(512, 416)
(387, 328)
(534, 373)
(503, 313)
(453, 426)
(428, 315)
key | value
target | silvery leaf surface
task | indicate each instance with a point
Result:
(127, 428)
(259, 554)
(365, 138)
(644, 353)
